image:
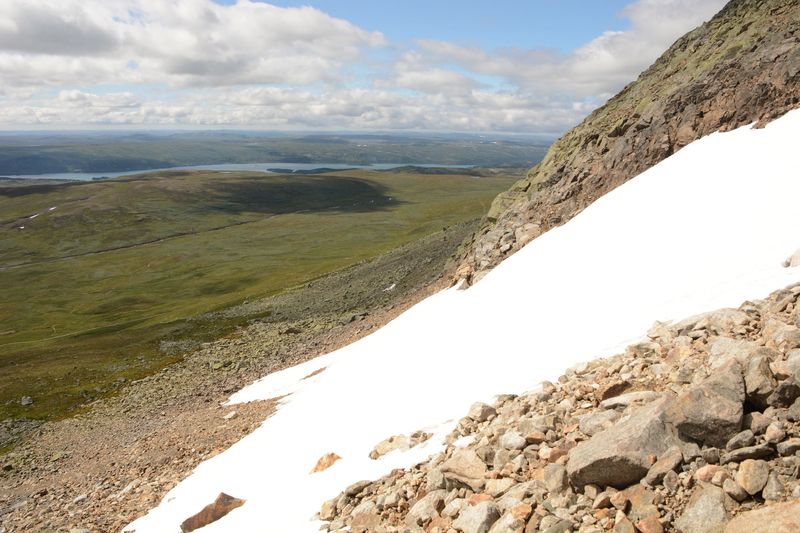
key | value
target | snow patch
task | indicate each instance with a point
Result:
(709, 227)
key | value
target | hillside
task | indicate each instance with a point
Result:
(419, 374)
(743, 66)
(109, 281)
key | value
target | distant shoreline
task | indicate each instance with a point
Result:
(269, 167)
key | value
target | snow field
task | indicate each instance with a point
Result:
(709, 227)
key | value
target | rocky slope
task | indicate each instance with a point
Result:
(695, 430)
(742, 66)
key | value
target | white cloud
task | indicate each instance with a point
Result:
(178, 42)
(595, 70)
(251, 64)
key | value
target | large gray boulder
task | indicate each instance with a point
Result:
(618, 456)
(711, 412)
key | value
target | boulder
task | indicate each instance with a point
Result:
(773, 490)
(480, 412)
(759, 451)
(740, 440)
(212, 512)
(759, 381)
(789, 446)
(365, 522)
(711, 412)
(477, 518)
(512, 440)
(707, 509)
(777, 518)
(395, 442)
(426, 509)
(619, 456)
(668, 461)
(465, 467)
(555, 478)
(752, 475)
(513, 520)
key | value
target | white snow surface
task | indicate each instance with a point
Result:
(707, 228)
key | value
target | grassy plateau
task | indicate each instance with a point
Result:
(107, 281)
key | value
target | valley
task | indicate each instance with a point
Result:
(105, 282)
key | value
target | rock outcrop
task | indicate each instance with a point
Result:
(667, 436)
(741, 67)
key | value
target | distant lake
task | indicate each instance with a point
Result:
(252, 167)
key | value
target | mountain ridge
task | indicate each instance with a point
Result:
(740, 67)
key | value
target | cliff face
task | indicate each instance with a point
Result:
(743, 66)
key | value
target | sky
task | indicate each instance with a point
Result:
(525, 66)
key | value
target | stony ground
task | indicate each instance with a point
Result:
(108, 465)
(696, 430)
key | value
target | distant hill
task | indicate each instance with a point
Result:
(25, 154)
(742, 66)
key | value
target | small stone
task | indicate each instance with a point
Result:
(356, 488)
(758, 451)
(426, 508)
(759, 381)
(26, 401)
(756, 422)
(720, 477)
(328, 510)
(395, 442)
(668, 461)
(671, 481)
(706, 473)
(555, 478)
(774, 433)
(230, 416)
(477, 518)
(435, 480)
(480, 412)
(708, 508)
(651, 524)
(80, 498)
(465, 467)
(773, 490)
(212, 512)
(753, 475)
(789, 446)
(710, 455)
(512, 440)
(734, 490)
(623, 525)
(741, 440)
(325, 462)
(711, 412)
